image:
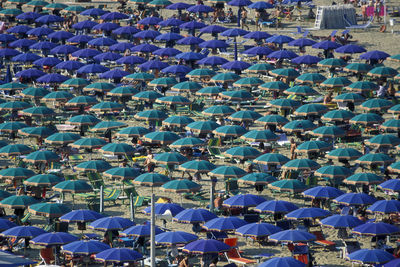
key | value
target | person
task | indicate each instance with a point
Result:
(381, 93)
(328, 98)
(244, 18)
(218, 202)
(184, 262)
(214, 262)
(377, 10)
(293, 147)
(257, 15)
(149, 161)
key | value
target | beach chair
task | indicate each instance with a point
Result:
(96, 180)
(298, 30)
(283, 140)
(300, 253)
(75, 158)
(70, 177)
(349, 247)
(25, 220)
(231, 186)
(363, 26)
(284, 224)
(220, 236)
(215, 153)
(233, 255)
(47, 256)
(321, 241)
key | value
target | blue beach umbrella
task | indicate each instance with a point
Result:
(282, 262)
(390, 185)
(23, 232)
(276, 207)
(53, 239)
(206, 246)
(140, 230)
(370, 256)
(307, 213)
(84, 247)
(355, 199)
(341, 221)
(324, 192)
(385, 206)
(375, 229)
(257, 230)
(119, 255)
(242, 201)
(161, 208)
(175, 237)
(224, 224)
(194, 216)
(81, 216)
(292, 236)
(111, 223)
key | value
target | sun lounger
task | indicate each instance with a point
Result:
(363, 26)
(283, 140)
(233, 255)
(321, 241)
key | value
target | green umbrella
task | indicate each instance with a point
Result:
(159, 3)
(45, 180)
(367, 119)
(49, 210)
(362, 86)
(348, 97)
(312, 78)
(117, 149)
(200, 73)
(75, 9)
(93, 166)
(332, 63)
(197, 166)
(55, 6)
(302, 90)
(229, 131)
(18, 1)
(16, 173)
(170, 158)
(395, 57)
(301, 164)
(298, 126)
(375, 158)
(225, 77)
(257, 179)
(4, 194)
(244, 115)
(75, 82)
(210, 91)
(173, 100)
(180, 186)
(107, 125)
(260, 136)
(272, 120)
(310, 109)
(395, 109)
(179, 121)
(37, 3)
(376, 104)
(285, 72)
(14, 105)
(122, 173)
(13, 85)
(151, 115)
(187, 86)
(363, 179)
(313, 146)
(337, 115)
(164, 138)
(383, 71)
(140, 76)
(242, 152)
(37, 112)
(13, 126)
(271, 159)
(149, 96)
(140, 2)
(218, 111)
(17, 202)
(240, 95)
(89, 143)
(73, 186)
(36, 132)
(107, 106)
(135, 131)
(186, 142)
(99, 87)
(391, 125)
(43, 156)
(380, 140)
(334, 172)
(344, 154)
(248, 82)
(11, 12)
(227, 172)
(284, 103)
(81, 101)
(329, 131)
(34, 92)
(202, 126)
(58, 96)
(83, 120)
(151, 179)
(163, 82)
(62, 138)
(285, 185)
(336, 82)
(14, 150)
(260, 68)
(358, 67)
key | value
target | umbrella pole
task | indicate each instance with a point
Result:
(212, 191)
(152, 233)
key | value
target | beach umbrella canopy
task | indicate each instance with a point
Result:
(116, 255)
(72, 65)
(153, 65)
(106, 106)
(18, 202)
(4, 194)
(258, 51)
(275, 207)
(385, 206)
(248, 82)
(111, 223)
(202, 126)
(227, 172)
(53, 239)
(52, 78)
(45, 180)
(302, 90)
(50, 210)
(140, 230)
(287, 185)
(133, 131)
(73, 186)
(307, 213)
(376, 104)
(229, 131)
(186, 86)
(218, 111)
(332, 63)
(354, 199)
(172, 22)
(257, 230)
(175, 237)
(313, 145)
(324, 192)
(257, 179)
(194, 216)
(326, 45)
(151, 179)
(198, 166)
(36, 131)
(311, 78)
(84, 247)
(341, 221)
(14, 150)
(161, 137)
(390, 185)
(333, 171)
(93, 166)
(151, 115)
(301, 164)
(129, 60)
(125, 173)
(83, 120)
(34, 92)
(395, 167)
(260, 136)
(306, 59)
(285, 72)
(147, 34)
(358, 67)
(81, 216)
(30, 73)
(13, 126)
(282, 262)
(242, 152)
(224, 224)
(173, 100)
(187, 142)
(284, 54)
(272, 159)
(395, 109)
(179, 121)
(225, 77)
(47, 61)
(240, 95)
(383, 72)
(62, 138)
(338, 115)
(370, 256)
(328, 131)
(150, 96)
(61, 96)
(206, 246)
(42, 156)
(367, 119)
(292, 236)
(13, 86)
(383, 140)
(284, 103)
(89, 143)
(180, 186)
(37, 112)
(310, 109)
(336, 82)
(274, 86)
(118, 149)
(350, 49)
(243, 201)
(260, 68)
(161, 208)
(90, 68)
(6, 224)
(376, 158)
(375, 229)
(200, 73)
(99, 86)
(348, 97)
(23, 232)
